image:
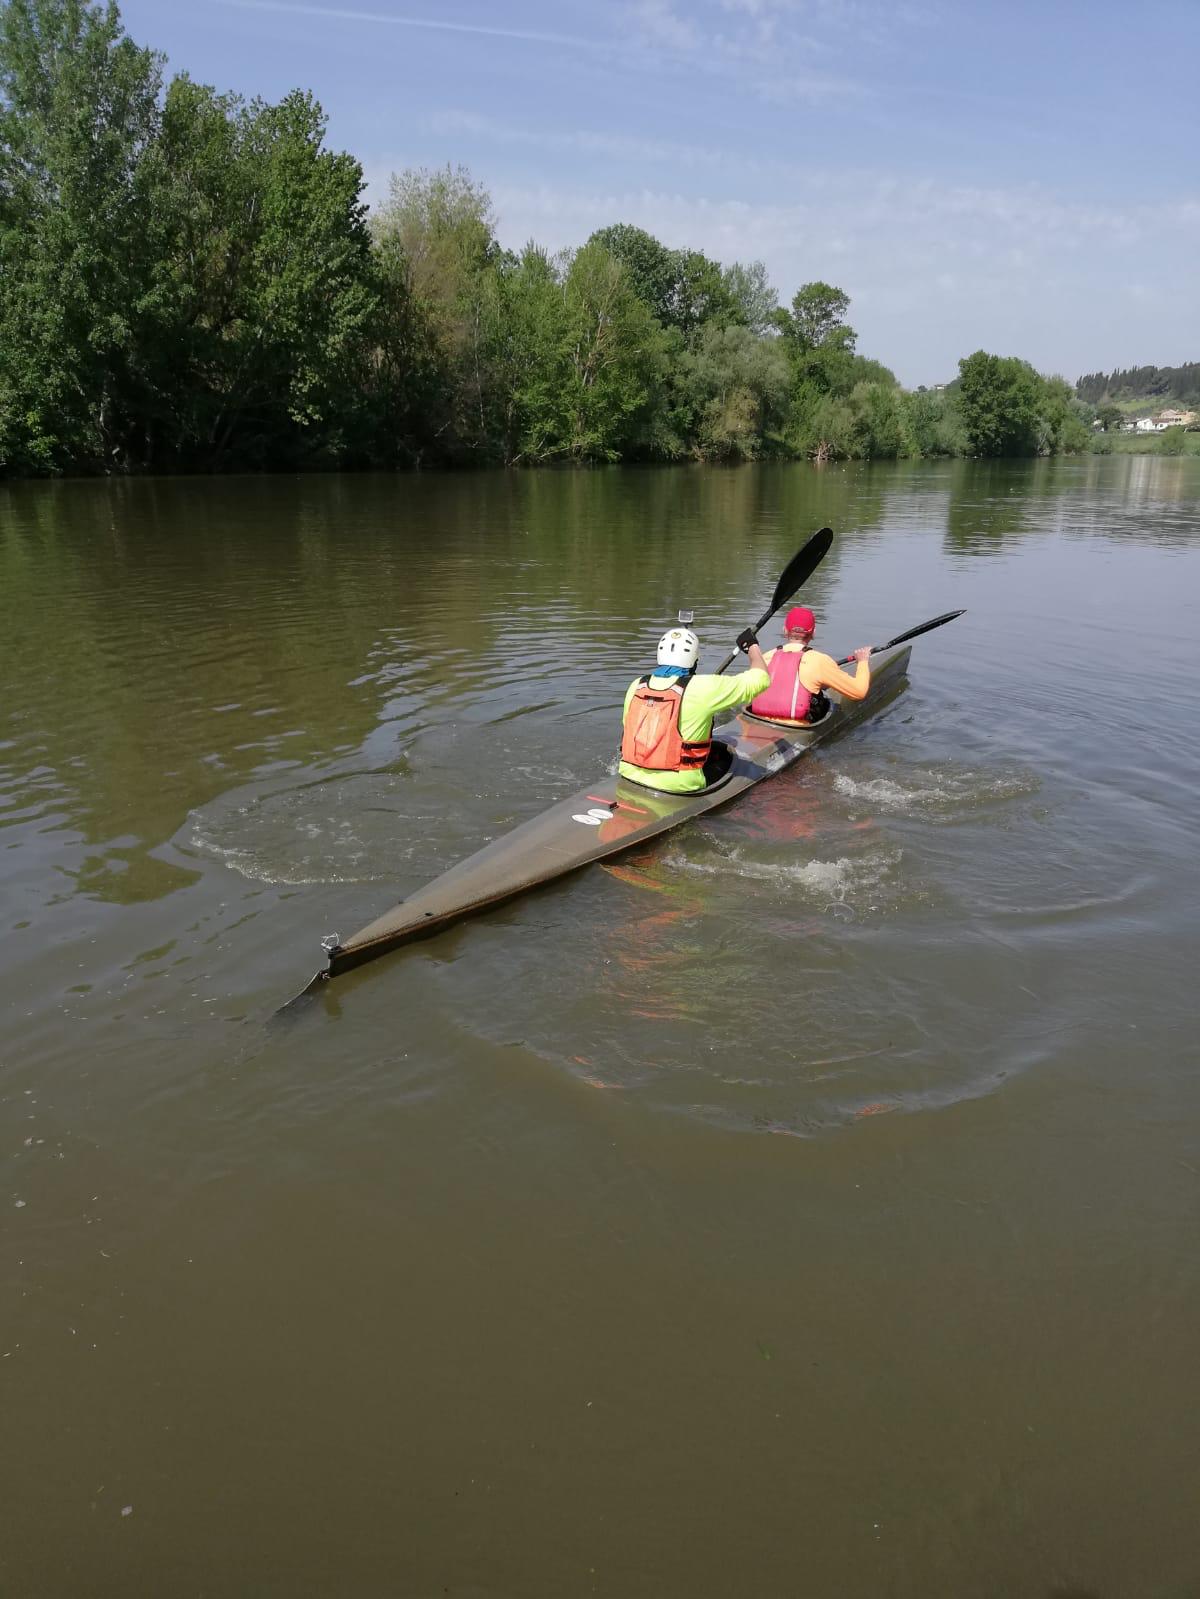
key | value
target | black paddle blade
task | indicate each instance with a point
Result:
(913, 632)
(925, 627)
(800, 568)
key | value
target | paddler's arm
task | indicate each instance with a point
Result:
(709, 695)
(758, 661)
(830, 674)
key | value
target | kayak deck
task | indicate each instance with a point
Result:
(611, 815)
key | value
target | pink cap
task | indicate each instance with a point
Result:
(800, 620)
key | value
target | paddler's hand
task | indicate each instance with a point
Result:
(861, 655)
(748, 642)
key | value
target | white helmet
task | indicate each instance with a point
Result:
(679, 647)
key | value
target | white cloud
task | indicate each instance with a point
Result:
(645, 37)
(660, 24)
(301, 8)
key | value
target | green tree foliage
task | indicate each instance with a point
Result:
(738, 383)
(817, 318)
(998, 403)
(1006, 408)
(613, 352)
(930, 424)
(1154, 384)
(78, 113)
(261, 287)
(186, 281)
(191, 280)
(754, 301)
(681, 288)
(837, 406)
(879, 421)
(526, 339)
(1110, 416)
(1172, 442)
(435, 235)
(1062, 427)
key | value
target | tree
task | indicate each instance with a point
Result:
(818, 318)
(525, 318)
(436, 230)
(739, 385)
(681, 288)
(262, 285)
(1063, 428)
(78, 112)
(651, 268)
(879, 421)
(927, 424)
(1110, 416)
(1172, 442)
(753, 296)
(832, 432)
(998, 402)
(613, 356)
(443, 222)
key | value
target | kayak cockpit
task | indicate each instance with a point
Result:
(792, 727)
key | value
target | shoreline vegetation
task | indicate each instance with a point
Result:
(193, 282)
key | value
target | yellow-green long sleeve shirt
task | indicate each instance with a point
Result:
(704, 699)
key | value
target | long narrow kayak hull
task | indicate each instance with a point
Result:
(608, 817)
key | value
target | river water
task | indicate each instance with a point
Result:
(806, 1205)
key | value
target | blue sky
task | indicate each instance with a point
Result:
(1014, 176)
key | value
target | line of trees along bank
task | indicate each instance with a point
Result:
(1150, 383)
(192, 281)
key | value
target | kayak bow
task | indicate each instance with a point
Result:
(604, 819)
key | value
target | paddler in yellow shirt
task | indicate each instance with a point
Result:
(669, 714)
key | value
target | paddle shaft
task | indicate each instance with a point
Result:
(797, 572)
(903, 638)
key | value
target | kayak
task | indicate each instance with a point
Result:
(604, 819)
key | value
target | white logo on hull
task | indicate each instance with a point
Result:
(594, 817)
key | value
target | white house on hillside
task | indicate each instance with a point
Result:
(1164, 420)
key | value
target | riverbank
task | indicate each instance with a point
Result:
(1144, 444)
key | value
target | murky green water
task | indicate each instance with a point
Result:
(807, 1205)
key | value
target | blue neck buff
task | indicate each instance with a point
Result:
(671, 671)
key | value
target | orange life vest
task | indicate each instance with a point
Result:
(652, 739)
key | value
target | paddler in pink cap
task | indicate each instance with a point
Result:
(800, 675)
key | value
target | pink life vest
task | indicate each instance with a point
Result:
(787, 696)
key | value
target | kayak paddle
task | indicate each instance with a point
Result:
(798, 571)
(913, 632)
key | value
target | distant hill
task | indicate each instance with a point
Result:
(1154, 384)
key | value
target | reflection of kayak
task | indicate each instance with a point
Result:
(610, 816)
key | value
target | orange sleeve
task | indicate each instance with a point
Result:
(828, 674)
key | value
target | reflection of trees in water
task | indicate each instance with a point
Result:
(169, 640)
(990, 503)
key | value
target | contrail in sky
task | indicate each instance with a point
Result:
(297, 8)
